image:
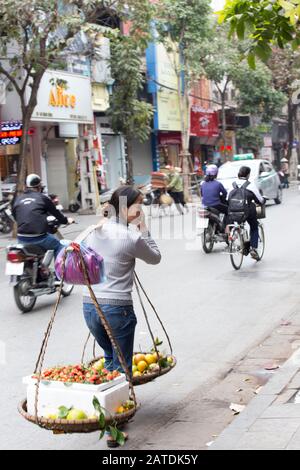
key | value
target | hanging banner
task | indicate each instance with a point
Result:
(204, 122)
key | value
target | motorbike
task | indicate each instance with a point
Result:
(211, 223)
(30, 271)
(6, 218)
(76, 203)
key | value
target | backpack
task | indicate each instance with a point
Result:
(238, 205)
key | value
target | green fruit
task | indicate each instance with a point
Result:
(99, 365)
(76, 415)
(134, 369)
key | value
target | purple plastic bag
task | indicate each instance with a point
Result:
(73, 271)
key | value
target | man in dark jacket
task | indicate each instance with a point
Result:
(30, 211)
(253, 197)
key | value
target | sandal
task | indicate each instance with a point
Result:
(111, 443)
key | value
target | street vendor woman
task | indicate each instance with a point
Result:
(122, 239)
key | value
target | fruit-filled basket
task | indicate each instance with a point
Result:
(146, 366)
(67, 396)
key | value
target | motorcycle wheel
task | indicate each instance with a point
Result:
(25, 302)
(7, 226)
(147, 200)
(67, 290)
(207, 239)
(73, 207)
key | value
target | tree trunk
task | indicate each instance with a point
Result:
(22, 164)
(129, 161)
(223, 117)
(291, 112)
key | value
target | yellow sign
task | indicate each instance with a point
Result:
(58, 98)
(168, 111)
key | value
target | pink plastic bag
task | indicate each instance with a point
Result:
(73, 269)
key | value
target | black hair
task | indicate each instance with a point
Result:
(210, 178)
(244, 172)
(127, 191)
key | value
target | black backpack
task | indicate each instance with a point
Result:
(238, 205)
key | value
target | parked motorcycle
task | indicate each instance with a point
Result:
(6, 218)
(30, 273)
(212, 226)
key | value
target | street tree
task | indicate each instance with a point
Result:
(130, 114)
(285, 67)
(36, 35)
(223, 63)
(182, 26)
(266, 23)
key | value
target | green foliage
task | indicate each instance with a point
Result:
(129, 114)
(250, 138)
(112, 429)
(257, 95)
(265, 23)
(187, 24)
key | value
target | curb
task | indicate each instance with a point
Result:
(258, 405)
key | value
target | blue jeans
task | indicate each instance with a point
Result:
(47, 242)
(123, 321)
(254, 235)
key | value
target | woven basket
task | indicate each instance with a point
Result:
(75, 426)
(143, 379)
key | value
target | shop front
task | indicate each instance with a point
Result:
(113, 164)
(162, 84)
(204, 136)
(64, 103)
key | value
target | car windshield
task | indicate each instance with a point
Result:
(12, 179)
(230, 170)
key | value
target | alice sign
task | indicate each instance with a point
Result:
(64, 97)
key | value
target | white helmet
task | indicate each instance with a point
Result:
(33, 181)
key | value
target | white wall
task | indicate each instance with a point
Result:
(142, 158)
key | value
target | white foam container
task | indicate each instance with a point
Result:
(53, 394)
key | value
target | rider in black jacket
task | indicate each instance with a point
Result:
(30, 211)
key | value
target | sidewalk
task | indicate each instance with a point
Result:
(271, 421)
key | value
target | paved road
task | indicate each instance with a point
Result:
(213, 315)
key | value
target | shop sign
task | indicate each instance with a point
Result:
(64, 97)
(10, 132)
(204, 122)
(168, 111)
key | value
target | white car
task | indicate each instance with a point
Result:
(262, 173)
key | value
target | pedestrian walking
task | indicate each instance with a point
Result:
(175, 188)
(285, 170)
(121, 239)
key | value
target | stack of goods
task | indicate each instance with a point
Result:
(74, 387)
(159, 180)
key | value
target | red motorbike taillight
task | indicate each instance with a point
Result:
(15, 257)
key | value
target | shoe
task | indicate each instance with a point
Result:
(254, 254)
(111, 443)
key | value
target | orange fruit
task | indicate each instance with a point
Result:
(150, 359)
(142, 366)
(138, 358)
(121, 409)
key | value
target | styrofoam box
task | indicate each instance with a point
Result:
(53, 394)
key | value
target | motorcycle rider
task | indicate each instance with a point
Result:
(212, 191)
(30, 211)
(253, 197)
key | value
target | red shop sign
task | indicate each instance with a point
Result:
(204, 123)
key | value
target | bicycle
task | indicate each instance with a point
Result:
(239, 243)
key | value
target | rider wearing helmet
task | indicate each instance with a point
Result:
(30, 211)
(212, 191)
